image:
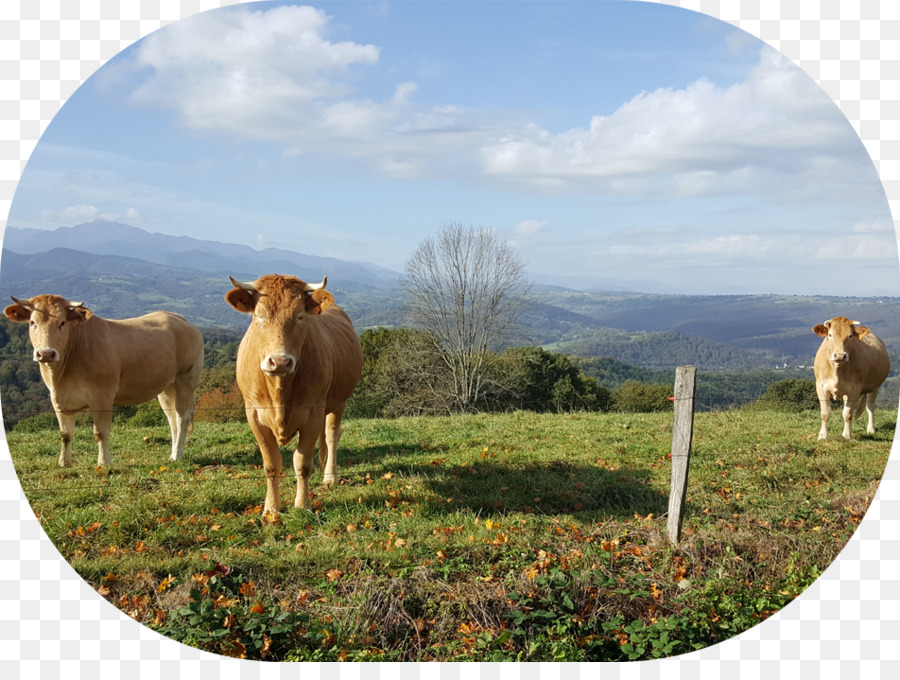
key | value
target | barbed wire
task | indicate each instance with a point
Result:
(195, 476)
(725, 402)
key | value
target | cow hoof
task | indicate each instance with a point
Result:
(271, 517)
(822, 436)
(329, 480)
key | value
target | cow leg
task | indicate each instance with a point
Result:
(66, 432)
(177, 402)
(102, 426)
(870, 410)
(847, 413)
(304, 457)
(825, 408)
(167, 404)
(271, 455)
(185, 384)
(328, 445)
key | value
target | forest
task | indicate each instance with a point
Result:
(402, 376)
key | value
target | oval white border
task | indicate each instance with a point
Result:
(53, 623)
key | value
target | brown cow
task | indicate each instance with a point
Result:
(850, 366)
(90, 363)
(297, 365)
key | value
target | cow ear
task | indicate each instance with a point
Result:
(78, 314)
(821, 330)
(242, 300)
(862, 331)
(17, 313)
(319, 301)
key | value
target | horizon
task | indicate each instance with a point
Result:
(534, 281)
(632, 142)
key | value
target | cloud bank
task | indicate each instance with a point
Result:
(276, 76)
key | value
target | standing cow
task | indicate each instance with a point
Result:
(90, 363)
(297, 365)
(850, 366)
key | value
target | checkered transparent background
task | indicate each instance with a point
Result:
(52, 624)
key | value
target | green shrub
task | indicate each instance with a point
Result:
(637, 397)
(225, 615)
(793, 395)
(149, 414)
(38, 423)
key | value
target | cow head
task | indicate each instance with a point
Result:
(50, 319)
(280, 306)
(839, 335)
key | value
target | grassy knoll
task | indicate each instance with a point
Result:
(500, 537)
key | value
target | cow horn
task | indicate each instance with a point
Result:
(25, 303)
(243, 285)
(73, 305)
(310, 287)
(856, 323)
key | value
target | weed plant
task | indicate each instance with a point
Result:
(487, 537)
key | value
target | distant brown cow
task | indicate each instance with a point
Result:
(850, 366)
(89, 364)
(297, 365)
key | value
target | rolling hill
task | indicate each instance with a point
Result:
(114, 239)
(121, 271)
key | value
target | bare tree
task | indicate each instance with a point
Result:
(467, 289)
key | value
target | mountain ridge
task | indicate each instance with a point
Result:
(720, 332)
(115, 239)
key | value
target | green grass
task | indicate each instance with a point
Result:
(520, 536)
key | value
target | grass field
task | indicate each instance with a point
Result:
(488, 537)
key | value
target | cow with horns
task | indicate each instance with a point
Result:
(850, 366)
(297, 365)
(90, 363)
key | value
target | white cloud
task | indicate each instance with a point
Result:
(529, 227)
(79, 214)
(276, 75)
(256, 73)
(698, 140)
(873, 227)
(782, 249)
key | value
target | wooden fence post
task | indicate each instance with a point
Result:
(682, 434)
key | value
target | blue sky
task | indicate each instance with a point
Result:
(624, 142)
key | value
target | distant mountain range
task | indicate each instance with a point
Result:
(120, 271)
(114, 239)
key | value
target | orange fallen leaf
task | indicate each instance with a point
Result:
(266, 649)
(165, 583)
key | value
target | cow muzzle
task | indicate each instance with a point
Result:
(839, 357)
(45, 355)
(278, 364)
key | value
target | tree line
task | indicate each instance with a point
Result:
(404, 375)
(464, 291)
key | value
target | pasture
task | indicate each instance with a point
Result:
(486, 537)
